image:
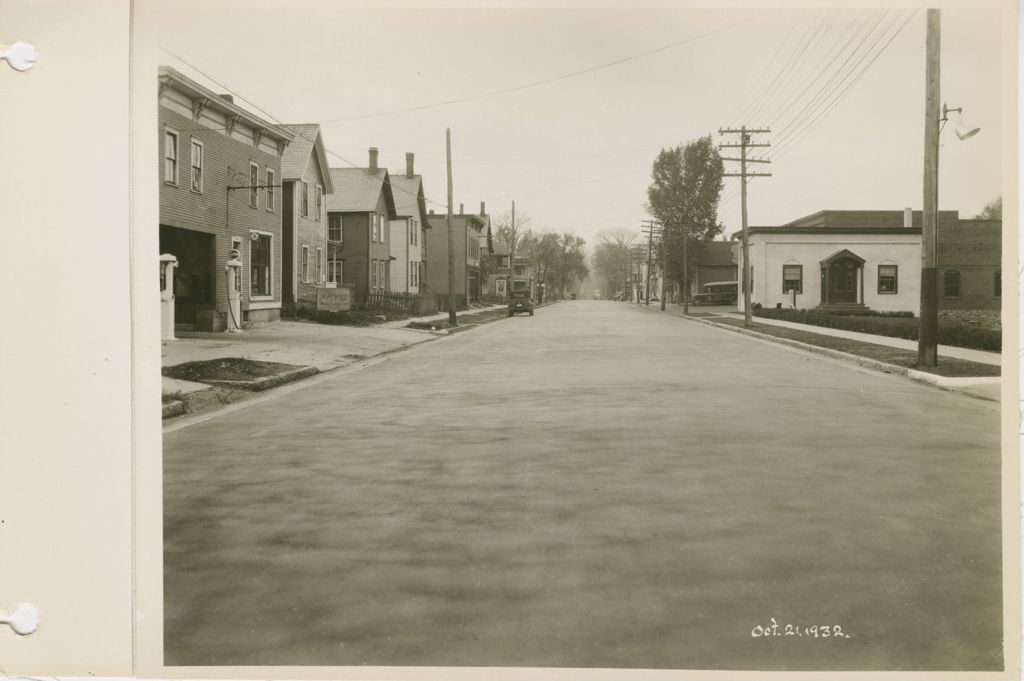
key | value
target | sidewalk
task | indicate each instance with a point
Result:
(309, 346)
(984, 387)
(993, 358)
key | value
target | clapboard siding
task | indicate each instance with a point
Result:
(226, 162)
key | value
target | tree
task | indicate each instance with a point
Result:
(611, 258)
(993, 210)
(686, 183)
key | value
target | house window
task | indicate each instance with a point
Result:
(888, 278)
(373, 274)
(319, 265)
(373, 227)
(260, 257)
(951, 280)
(319, 202)
(334, 231)
(412, 232)
(334, 270)
(304, 202)
(305, 263)
(271, 181)
(254, 183)
(792, 278)
(170, 157)
(998, 284)
(197, 166)
(503, 261)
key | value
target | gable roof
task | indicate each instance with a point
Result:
(500, 247)
(409, 198)
(307, 140)
(357, 190)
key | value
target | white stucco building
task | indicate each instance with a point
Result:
(838, 259)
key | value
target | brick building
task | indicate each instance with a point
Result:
(467, 230)
(219, 190)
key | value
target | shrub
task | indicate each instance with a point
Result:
(892, 324)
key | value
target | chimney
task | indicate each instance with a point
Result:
(373, 159)
(228, 98)
(461, 212)
(483, 209)
(408, 164)
(908, 217)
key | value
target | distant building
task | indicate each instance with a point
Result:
(220, 190)
(500, 271)
(359, 215)
(306, 180)
(872, 259)
(716, 261)
(467, 230)
(408, 230)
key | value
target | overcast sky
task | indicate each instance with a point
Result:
(841, 89)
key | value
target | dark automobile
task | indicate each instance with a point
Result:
(519, 301)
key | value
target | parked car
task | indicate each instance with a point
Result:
(519, 301)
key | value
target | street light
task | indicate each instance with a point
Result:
(962, 130)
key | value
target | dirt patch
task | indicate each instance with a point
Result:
(461, 321)
(948, 366)
(226, 369)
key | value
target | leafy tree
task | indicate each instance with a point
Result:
(686, 183)
(611, 259)
(993, 210)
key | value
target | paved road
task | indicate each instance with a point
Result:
(594, 486)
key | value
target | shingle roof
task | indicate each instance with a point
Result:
(408, 193)
(357, 190)
(500, 247)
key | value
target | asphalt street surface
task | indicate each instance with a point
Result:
(594, 486)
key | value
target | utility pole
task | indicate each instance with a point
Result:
(927, 338)
(451, 235)
(512, 252)
(745, 143)
(652, 228)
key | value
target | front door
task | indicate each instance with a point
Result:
(842, 279)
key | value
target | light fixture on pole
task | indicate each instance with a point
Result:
(962, 130)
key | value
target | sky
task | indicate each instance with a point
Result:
(563, 110)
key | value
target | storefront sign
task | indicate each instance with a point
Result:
(334, 299)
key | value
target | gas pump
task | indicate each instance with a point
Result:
(167, 264)
(233, 269)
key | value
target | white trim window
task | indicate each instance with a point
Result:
(335, 270)
(197, 165)
(373, 228)
(319, 202)
(261, 257)
(254, 183)
(319, 266)
(170, 156)
(335, 231)
(373, 275)
(304, 200)
(271, 181)
(304, 265)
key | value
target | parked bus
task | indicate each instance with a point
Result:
(717, 293)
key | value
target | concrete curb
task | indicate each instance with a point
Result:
(943, 382)
(269, 381)
(175, 408)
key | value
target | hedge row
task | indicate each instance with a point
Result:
(894, 325)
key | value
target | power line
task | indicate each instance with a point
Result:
(279, 122)
(553, 79)
(839, 77)
(768, 65)
(793, 136)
